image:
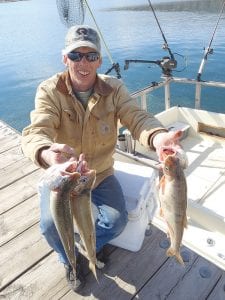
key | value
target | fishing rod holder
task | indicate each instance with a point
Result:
(116, 67)
(166, 64)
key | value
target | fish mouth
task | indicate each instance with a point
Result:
(167, 151)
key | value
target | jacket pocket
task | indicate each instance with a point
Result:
(70, 113)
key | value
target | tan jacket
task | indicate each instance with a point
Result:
(59, 117)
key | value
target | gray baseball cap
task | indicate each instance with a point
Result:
(81, 36)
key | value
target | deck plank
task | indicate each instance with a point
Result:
(161, 284)
(127, 271)
(219, 291)
(46, 280)
(9, 142)
(174, 281)
(16, 171)
(203, 284)
(18, 219)
(10, 156)
(30, 247)
(23, 189)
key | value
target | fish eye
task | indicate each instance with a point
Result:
(64, 179)
(83, 179)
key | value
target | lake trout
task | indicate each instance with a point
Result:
(70, 200)
(173, 202)
(82, 212)
(61, 179)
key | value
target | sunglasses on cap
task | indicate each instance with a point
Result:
(77, 56)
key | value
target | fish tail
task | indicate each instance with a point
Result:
(93, 269)
(173, 252)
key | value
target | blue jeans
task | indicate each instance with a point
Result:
(110, 220)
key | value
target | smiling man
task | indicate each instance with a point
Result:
(77, 112)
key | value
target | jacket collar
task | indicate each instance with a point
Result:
(64, 85)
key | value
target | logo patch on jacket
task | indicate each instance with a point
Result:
(104, 128)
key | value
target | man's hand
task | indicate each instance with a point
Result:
(167, 139)
(57, 154)
(167, 143)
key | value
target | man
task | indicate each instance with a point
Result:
(76, 112)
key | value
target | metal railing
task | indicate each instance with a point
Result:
(166, 84)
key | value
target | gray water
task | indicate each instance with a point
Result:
(32, 37)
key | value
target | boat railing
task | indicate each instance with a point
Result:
(166, 84)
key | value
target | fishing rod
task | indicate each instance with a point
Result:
(167, 63)
(115, 66)
(209, 50)
(165, 46)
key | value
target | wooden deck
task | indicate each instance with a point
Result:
(30, 270)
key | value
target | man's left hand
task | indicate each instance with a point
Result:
(167, 143)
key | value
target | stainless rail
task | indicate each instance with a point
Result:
(166, 84)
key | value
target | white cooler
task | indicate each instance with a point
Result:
(138, 184)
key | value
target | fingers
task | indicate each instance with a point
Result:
(63, 149)
(83, 164)
(167, 138)
(61, 153)
(175, 136)
(57, 154)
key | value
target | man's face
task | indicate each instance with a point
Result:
(83, 72)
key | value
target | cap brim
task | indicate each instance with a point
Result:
(79, 44)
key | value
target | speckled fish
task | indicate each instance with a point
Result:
(173, 202)
(82, 212)
(61, 181)
(70, 200)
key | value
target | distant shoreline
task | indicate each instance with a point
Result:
(171, 5)
(3, 1)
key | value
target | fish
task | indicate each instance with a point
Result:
(173, 203)
(61, 180)
(70, 186)
(82, 213)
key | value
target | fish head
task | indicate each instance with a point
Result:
(174, 151)
(85, 182)
(171, 166)
(59, 175)
(91, 175)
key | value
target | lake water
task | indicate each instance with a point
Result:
(32, 37)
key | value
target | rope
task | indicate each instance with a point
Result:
(99, 32)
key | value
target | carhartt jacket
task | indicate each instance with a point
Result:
(60, 117)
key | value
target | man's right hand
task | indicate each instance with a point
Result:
(57, 154)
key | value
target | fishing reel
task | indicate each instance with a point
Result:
(167, 64)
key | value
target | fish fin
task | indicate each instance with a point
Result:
(170, 232)
(172, 252)
(162, 183)
(93, 269)
(161, 212)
